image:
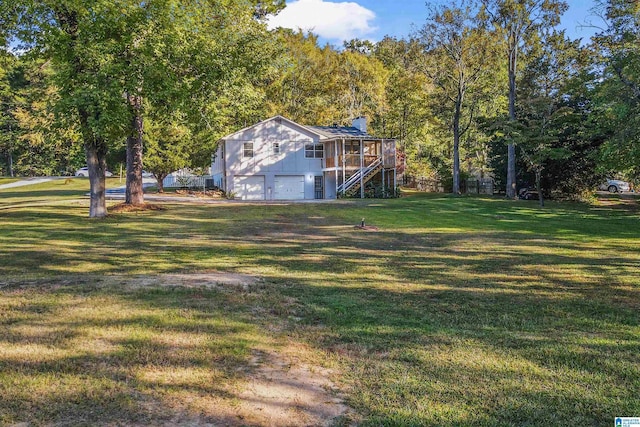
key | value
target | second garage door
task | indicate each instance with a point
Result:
(249, 187)
(289, 187)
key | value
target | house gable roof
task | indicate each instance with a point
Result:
(324, 133)
(278, 119)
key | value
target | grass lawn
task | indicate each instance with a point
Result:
(458, 311)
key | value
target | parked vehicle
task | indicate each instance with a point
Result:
(528, 193)
(84, 172)
(615, 186)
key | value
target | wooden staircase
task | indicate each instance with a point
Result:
(354, 181)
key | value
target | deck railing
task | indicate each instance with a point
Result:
(351, 161)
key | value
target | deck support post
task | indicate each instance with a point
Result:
(335, 164)
(344, 167)
(395, 185)
(384, 183)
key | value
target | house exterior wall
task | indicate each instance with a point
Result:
(290, 161)
(218, 167)
(330, 185)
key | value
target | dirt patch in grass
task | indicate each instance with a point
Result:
(622, 203)
(215, 194)
(206, 351)
(126, 208)
(286, 392)
(212, 279)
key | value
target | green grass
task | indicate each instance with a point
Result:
(61, 192)
(7, 180)
(458, 311)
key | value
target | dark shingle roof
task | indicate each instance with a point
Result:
(339, 132)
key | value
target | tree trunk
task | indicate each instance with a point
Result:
(456, 147)
(159, 182)
(10, 159)
(539, 186)
(97, 166)
(134, 194)
(511, 149)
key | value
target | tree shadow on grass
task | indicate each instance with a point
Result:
(111, 355)
(495, 318)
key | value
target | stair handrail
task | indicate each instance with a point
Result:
(355, 178)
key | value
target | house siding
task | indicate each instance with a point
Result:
(218, 167)
(291, 160)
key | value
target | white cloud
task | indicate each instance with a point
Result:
(331, 20)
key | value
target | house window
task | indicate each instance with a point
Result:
(276, 147)
(314, 151)
(247, 149)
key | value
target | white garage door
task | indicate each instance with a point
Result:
(289, 187)
(249, 187)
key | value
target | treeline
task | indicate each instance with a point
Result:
(482, 88)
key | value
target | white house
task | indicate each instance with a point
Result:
(278, 159)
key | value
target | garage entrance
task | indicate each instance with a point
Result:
(249, 187)
(289, 187)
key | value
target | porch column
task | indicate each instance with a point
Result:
(384, 183)
(361, 169)
(395, 185)
(335, 164)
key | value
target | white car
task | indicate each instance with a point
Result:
(84, 172)
(615, 186)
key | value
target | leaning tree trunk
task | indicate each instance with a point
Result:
(134, 194)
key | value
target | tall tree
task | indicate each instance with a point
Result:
(306, 84)
(75, 37)
(618, 99)
(517, 22)
(361, 85)
(8, 126)
(41, 144)
(459, 54)
(110, 57)
(160, 45)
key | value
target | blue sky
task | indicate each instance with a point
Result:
(337, 20)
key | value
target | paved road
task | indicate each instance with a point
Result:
(146, 182)
(30, 181)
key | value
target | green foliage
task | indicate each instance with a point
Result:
(618, 97)
(168, 146)
(460, 55)
(321, 86)
(39, 142)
